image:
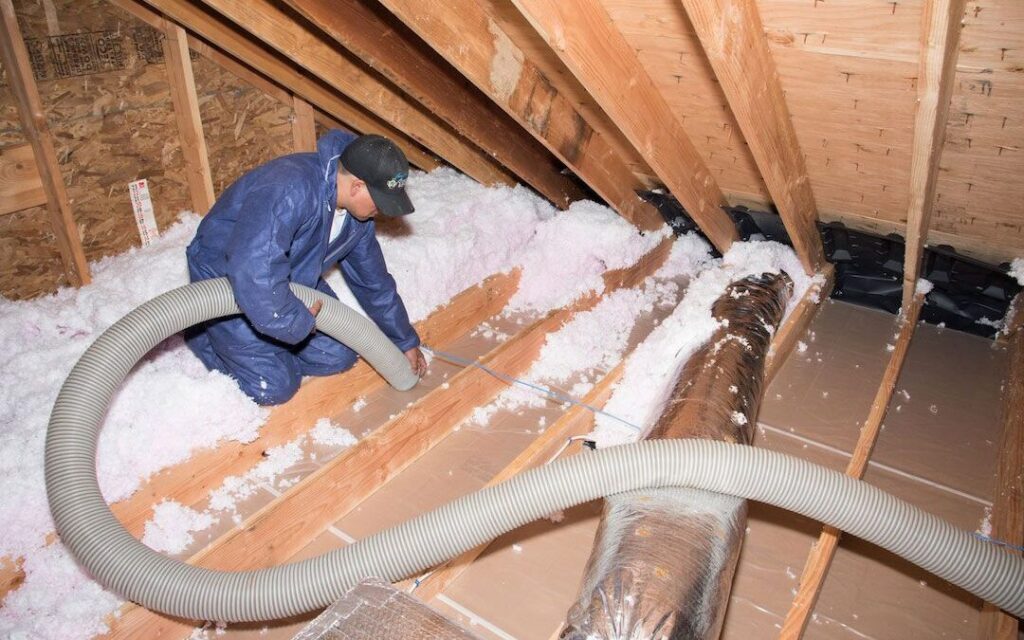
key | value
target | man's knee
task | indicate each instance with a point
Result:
(271, 390)
(324, 356)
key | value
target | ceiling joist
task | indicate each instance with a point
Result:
(733, 38)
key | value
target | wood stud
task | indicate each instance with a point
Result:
(37, 131)
(940, 37)
(733, 39)
(584, 38)
(186, 110)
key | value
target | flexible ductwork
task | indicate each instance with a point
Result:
(119, 561)
(663, 560)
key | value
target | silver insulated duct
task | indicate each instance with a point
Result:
(663, 559)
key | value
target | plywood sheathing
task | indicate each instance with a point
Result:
(244, 127)
(849, 74)
(980, 200)
(665, 42)
(118, 125)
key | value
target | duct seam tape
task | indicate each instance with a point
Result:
(142, 205)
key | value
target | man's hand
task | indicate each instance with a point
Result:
(315, 309)
(417, 361)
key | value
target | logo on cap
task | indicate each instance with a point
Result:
(398, 182)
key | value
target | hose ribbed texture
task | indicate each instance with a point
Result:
(116, 559)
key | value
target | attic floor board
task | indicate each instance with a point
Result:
(523, 584)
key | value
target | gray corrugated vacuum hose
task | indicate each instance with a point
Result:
(119, 561)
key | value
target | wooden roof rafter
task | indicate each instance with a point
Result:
(308, 49)
(584, 38)
(233, 47)
(475, 44)
(415, 69)
(732, 35)
(186, 110)
(940, 38)
(344, 78)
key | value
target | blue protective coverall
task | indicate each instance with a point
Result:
(272, 227)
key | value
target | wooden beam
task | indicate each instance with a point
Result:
(576, 421)
(20, 185)
(940, 38)
(464, 35)
(303, 125)
(1008, 505)
(796, 325)
(733, 38)
(305, 47)
(191, 482)
(820, 558)
(14, 57)
(595, 51)
(190, 124)
(417, 71)
(308, 508)
(419, 158)
(270, 65)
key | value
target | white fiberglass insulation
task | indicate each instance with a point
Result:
(461, 233)
(171, 406)
(1017, 270)
(651, 369)
(593, 341)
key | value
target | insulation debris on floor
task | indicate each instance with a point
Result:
(171, 407)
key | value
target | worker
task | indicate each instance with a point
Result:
(289, 220)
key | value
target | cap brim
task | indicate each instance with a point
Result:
(391, 202)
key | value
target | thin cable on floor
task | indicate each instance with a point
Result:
(1001, 543)
(504, 377)
(565, 398)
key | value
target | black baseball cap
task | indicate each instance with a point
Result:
(379, 163)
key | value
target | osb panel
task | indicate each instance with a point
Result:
(109, 130)
(243, 126)
(980, 194)
(30, 263)
(110, 116)
(109, 109)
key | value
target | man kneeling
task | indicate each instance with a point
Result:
(278, 224)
